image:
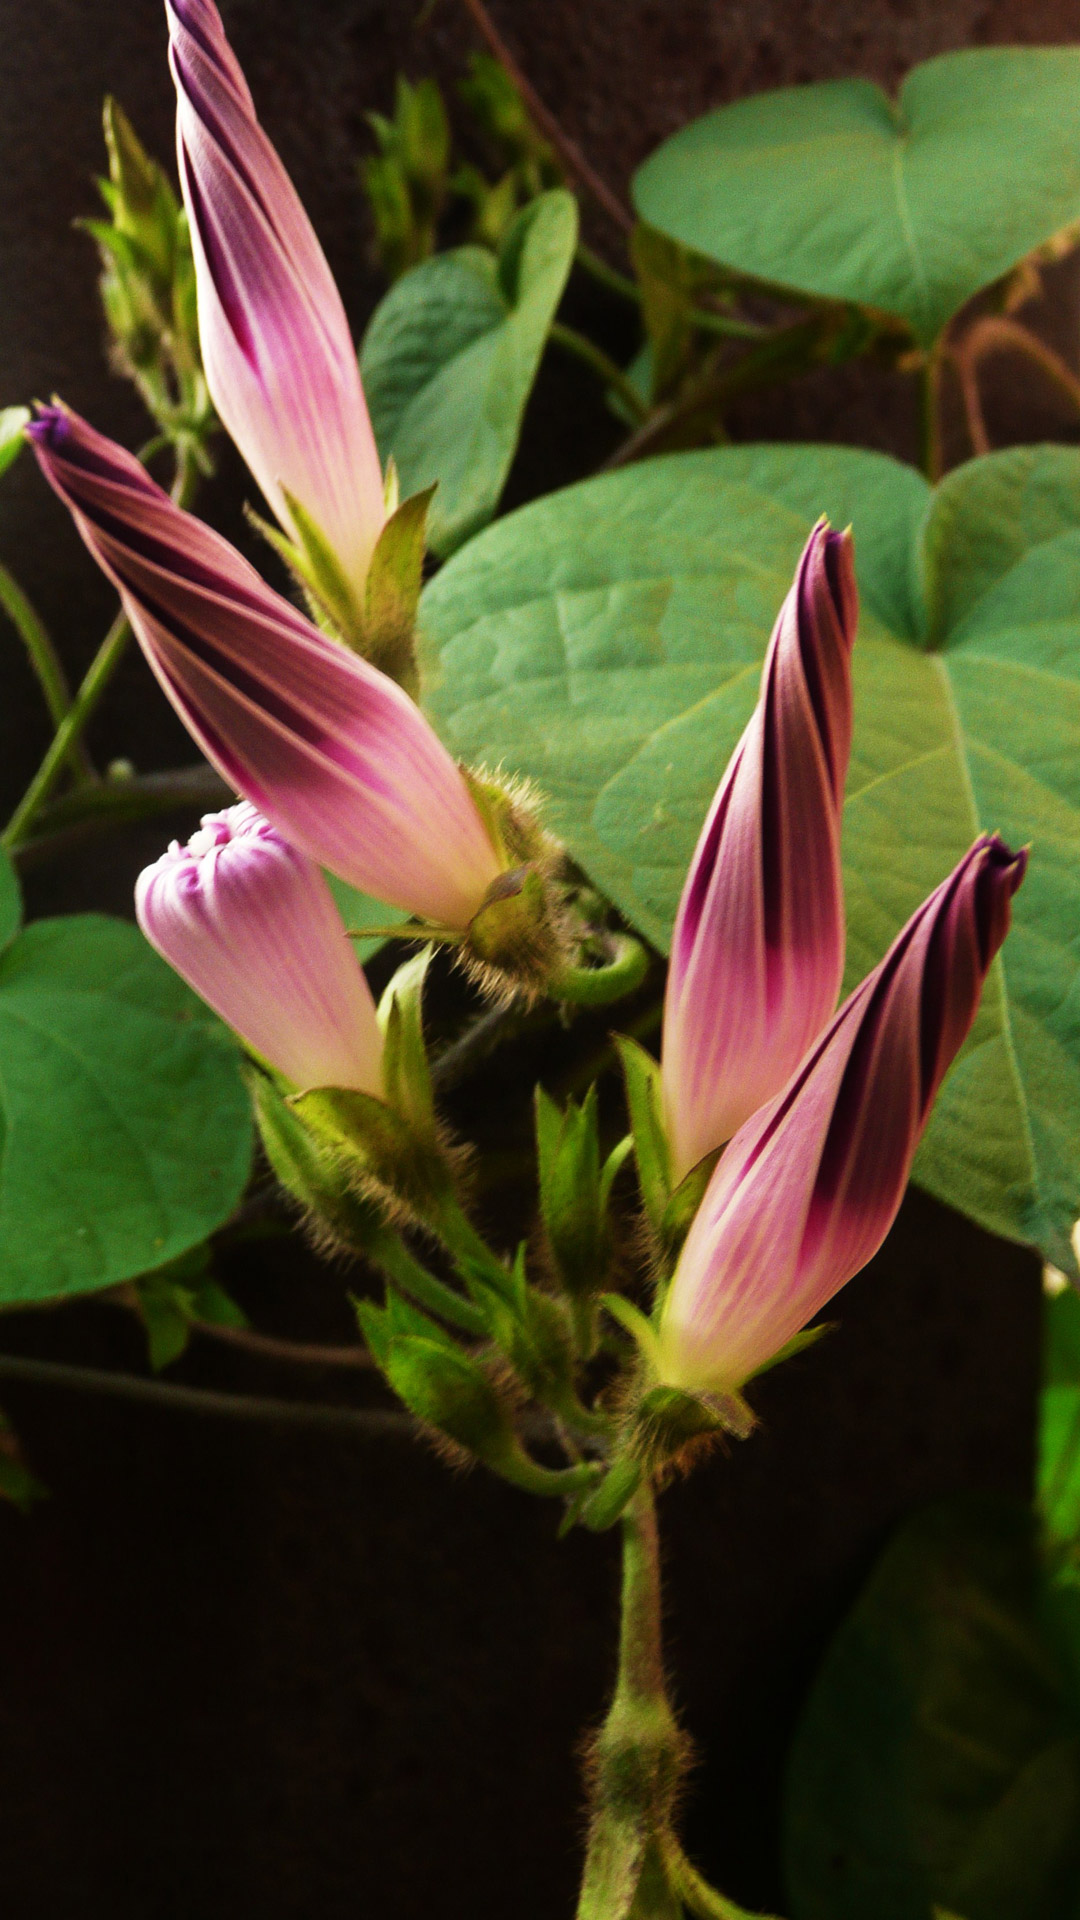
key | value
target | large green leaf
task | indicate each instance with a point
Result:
(125, 1131)
(606, 641)
(910, 206)
(938, 1758)
(450, 357)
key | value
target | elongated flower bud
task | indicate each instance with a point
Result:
(279, 358)
(758, 949)
(330, 750)
(251, 924)
(807, 1190)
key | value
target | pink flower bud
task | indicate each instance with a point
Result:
(251, 924)
(758, 949)
(807, 1190)
(327, 747)
(279, 358)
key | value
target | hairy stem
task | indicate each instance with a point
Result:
(639, 1756)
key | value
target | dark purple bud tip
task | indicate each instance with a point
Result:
(50, 427)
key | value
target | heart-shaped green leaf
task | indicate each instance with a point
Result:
(450, 357)
(910, 206)
(607, 642)
(125, 1129)
(938, 1759)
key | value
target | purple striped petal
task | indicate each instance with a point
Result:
(758, 949)
(327, 747)
(279, 357)
(809, 1187)
(251, 924)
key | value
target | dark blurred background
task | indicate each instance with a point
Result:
(267, 1668)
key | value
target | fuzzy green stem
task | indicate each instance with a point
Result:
(639, 1756)
(601, 364)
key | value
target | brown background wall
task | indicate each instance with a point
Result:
(254, 1670)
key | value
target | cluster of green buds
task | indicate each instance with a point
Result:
(411, 179)
(148, 287)
(407, 181)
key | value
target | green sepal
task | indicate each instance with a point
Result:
(645, 1102)
(406, 1075)
(637, 1325)
(512, 929)
(684, 1203)
(392, 591)
(608, 1503)
(331, 595)
(376, 1148)
(571, 1202)
(798, 1343)
(666, 1420)
(310, 1168)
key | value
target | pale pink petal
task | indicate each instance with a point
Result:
(810, 1185)
(279, 357)
(251, 924)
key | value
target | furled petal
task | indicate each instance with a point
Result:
(809, 1187)
(279, 358)
(758, 949)
(328, 748)
(251, 925)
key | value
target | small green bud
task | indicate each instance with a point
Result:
(568, 1145)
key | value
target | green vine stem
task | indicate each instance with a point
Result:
(602, 365)
(45, 661)
(639, 1756)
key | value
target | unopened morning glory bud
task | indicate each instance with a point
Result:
(758, 949)
(251, 924)
(807, 1190)
(327, 747)
(278, 354)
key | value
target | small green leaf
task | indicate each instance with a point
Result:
(125, 1129)
(13, 421)
(406, 1075)
(166, 1308)
(449, 361)
(645, 1101)
(836, 190)
(938, 1758)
